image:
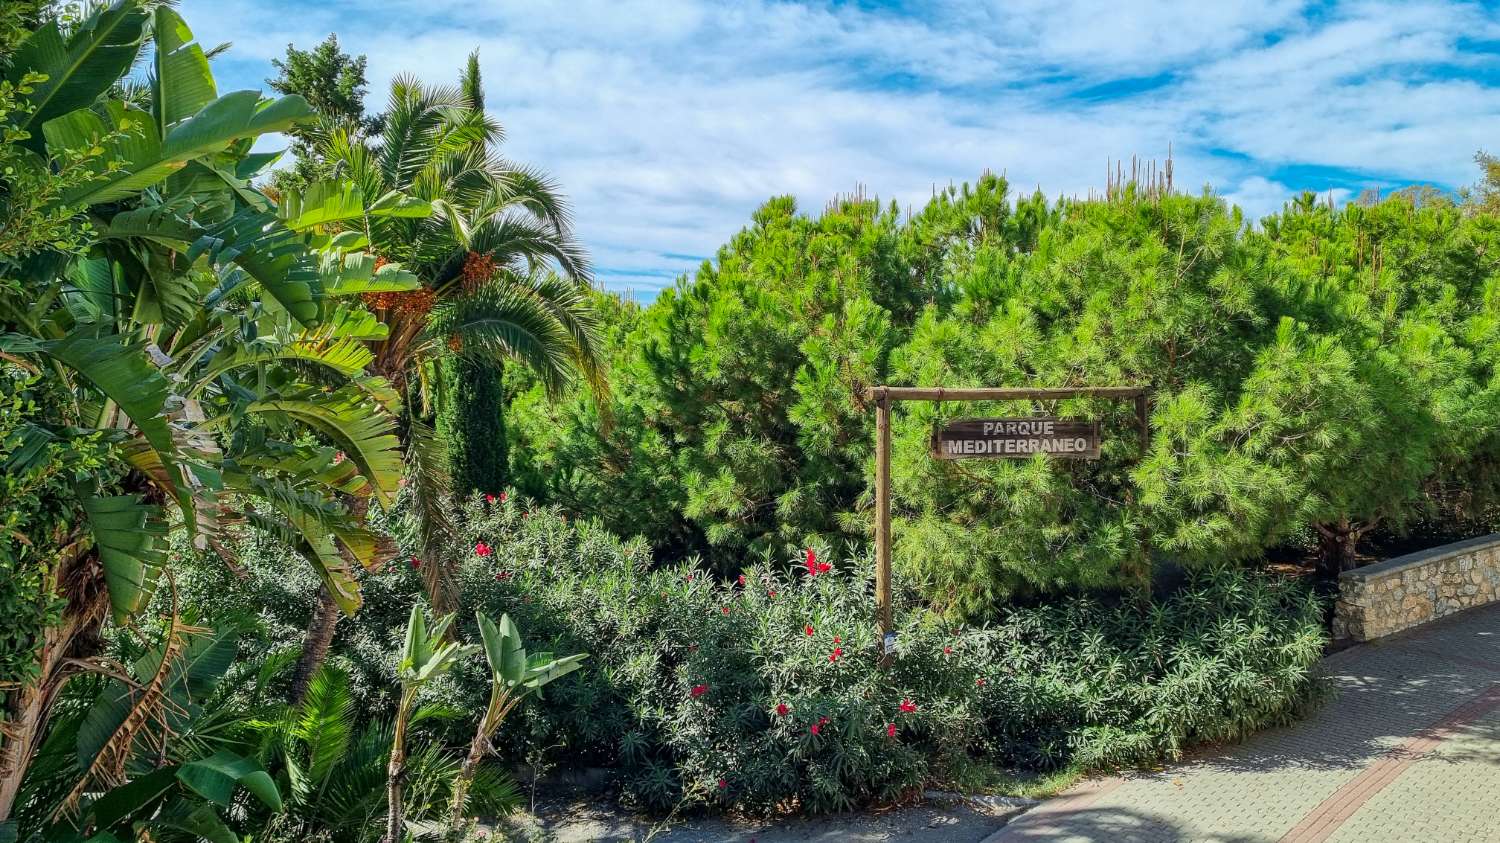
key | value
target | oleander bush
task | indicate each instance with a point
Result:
(764, 694)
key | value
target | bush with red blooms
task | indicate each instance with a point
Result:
(762, 692)
(780, 697)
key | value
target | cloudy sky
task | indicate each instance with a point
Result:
(668, 121)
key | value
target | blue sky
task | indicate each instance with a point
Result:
(668, 121)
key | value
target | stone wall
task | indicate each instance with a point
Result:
(1387, 597)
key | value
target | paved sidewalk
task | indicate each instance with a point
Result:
(1408, 750)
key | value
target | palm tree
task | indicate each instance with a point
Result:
(502, 280)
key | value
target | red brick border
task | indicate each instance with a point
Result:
(1325, 819)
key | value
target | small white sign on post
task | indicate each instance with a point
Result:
(888, 644)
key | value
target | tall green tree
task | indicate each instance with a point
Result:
(333, 83)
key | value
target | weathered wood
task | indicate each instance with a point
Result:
(1017, 439)
(938, 393)
(883, 611)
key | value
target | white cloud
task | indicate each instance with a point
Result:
(668, 121)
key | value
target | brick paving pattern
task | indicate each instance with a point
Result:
(1408, 749)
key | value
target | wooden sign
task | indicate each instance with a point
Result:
(1017, 439)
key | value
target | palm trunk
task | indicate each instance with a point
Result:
(477, 749)
(396, 772)
(324, 623)
(315, 644)
(28, 707)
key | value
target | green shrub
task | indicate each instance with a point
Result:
(1082, 682)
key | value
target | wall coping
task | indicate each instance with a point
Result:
(1397, 564)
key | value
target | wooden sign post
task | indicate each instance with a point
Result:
(1000, 438)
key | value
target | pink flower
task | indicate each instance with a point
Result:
(808, 629)
(782, 710)
(415, 562)
(723, 784)
(339, 458)
(482, 549)
(907, 706)
(816, 728)
(890, 730)
(741, 580)
(502, 497)
(979, 682)
(698, 691)
(489, 498)
(947, 651)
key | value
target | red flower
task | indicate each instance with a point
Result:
(890, 730)
(502, 575)
(489, 498)
(724, 610)
(908, 706)
(782, 710)
(834, 656)
(814, 567)
(837, 640)
(979, 682)
(415, 562)
(808, 629)
(482, 549)
(947, 651)
(723, 784)
(815, 728)
(502, 497)
(698, 691)
(772, 593)
(741, 580)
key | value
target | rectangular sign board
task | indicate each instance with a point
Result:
(1016, 439)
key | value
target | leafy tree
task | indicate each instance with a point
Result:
(333, 83)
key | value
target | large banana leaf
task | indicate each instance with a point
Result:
(183, 84)
(326, 202)
(215, 777)
(131, 538)
(79, 68)
(269, 252)
(126, 376)
(364, 431)
(131, 139)
(355, 273)
(311, 539)
(347, 357)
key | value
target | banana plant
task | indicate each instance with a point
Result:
(216, 339)
(145, 759)
(426, 655)
(514, 676)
